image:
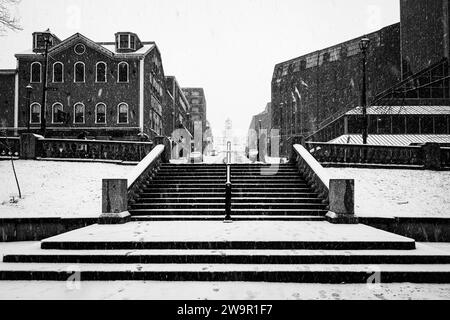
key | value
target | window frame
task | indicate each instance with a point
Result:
(53, 112)
(96, 72)
(31, 113)
(96, 112)
(118, 113)
(75, 114)
(62, 72)
(118, 72)
(40, 72)
(75, 72)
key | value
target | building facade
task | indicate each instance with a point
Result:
(103, 90)
(197, 101)
(177, 109)
(407, 65)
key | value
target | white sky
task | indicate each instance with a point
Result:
(228, 47)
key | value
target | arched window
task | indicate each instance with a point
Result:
(58, 71)
(100, 72)
(122, 72)
(79, 72)
(78, 111)
(57, 113)
(35, 113)
(122, 113)
(35, 73)
(100, 113)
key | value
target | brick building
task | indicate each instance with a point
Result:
(177, 109)
(197, 101)
(108, 90)
(261, 125)
(407, 64)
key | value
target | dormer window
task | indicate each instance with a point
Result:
(127, 41)
(43, 40)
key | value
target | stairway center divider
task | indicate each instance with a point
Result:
(339, 193)
(228, 186)
(118, 194)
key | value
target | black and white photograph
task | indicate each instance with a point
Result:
(242, 152)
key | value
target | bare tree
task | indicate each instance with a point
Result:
(7, 20)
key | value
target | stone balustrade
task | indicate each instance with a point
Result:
(9, 146)
(119, 193)
(337, 193)
(93, 149)
(356, 153)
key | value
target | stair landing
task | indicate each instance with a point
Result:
(237, 235)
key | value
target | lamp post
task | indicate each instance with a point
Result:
(258, 147)
(44, 83)
(364, 45)
(29, 89)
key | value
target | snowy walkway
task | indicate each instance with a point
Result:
(49, 189)
(399, 193)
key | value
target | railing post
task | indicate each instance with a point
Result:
(295, 140)
(167, 153)
(341, 197)
(29, 146)
(114, 202)
(431, 156)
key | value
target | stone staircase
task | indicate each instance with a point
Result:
(197, 192)
(269, 251)
(278, 234)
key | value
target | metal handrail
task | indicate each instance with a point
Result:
(228, 186)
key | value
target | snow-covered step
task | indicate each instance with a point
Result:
(218, 210)
(422, 255)
(299, 273)
(221, 216)
(238, 235)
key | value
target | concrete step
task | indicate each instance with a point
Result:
(221, 204)
(235, 195)
(221, 199)
(422, 255)
(294, 273)
(221, 188)
(221, 217)
(220, 211)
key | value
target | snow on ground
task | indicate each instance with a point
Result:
(398, 193)
(54, 188)
(153, 290)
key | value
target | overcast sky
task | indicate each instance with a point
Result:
(228, 47)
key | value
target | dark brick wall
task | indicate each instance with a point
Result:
(335, 85)
(7, 84)
(424, 33)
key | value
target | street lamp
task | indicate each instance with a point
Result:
(47, 42)
(364, 45)
(29, 89)
(258, 157)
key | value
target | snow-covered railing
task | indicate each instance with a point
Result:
(312, 171)
(9, 146)
(428, 155)
(93, 149)
(143, 171)
(119, 193)
(360, 153)
(338, 194)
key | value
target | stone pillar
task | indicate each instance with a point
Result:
(29, 146)
(114, 202)
(167, 153)
(431, 156)
(342, 201)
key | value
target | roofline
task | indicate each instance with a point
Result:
(335, 45)
(8, 71)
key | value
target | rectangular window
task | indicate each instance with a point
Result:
(123, 42)
(100, 115)
(58, 113)
(79, 113)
